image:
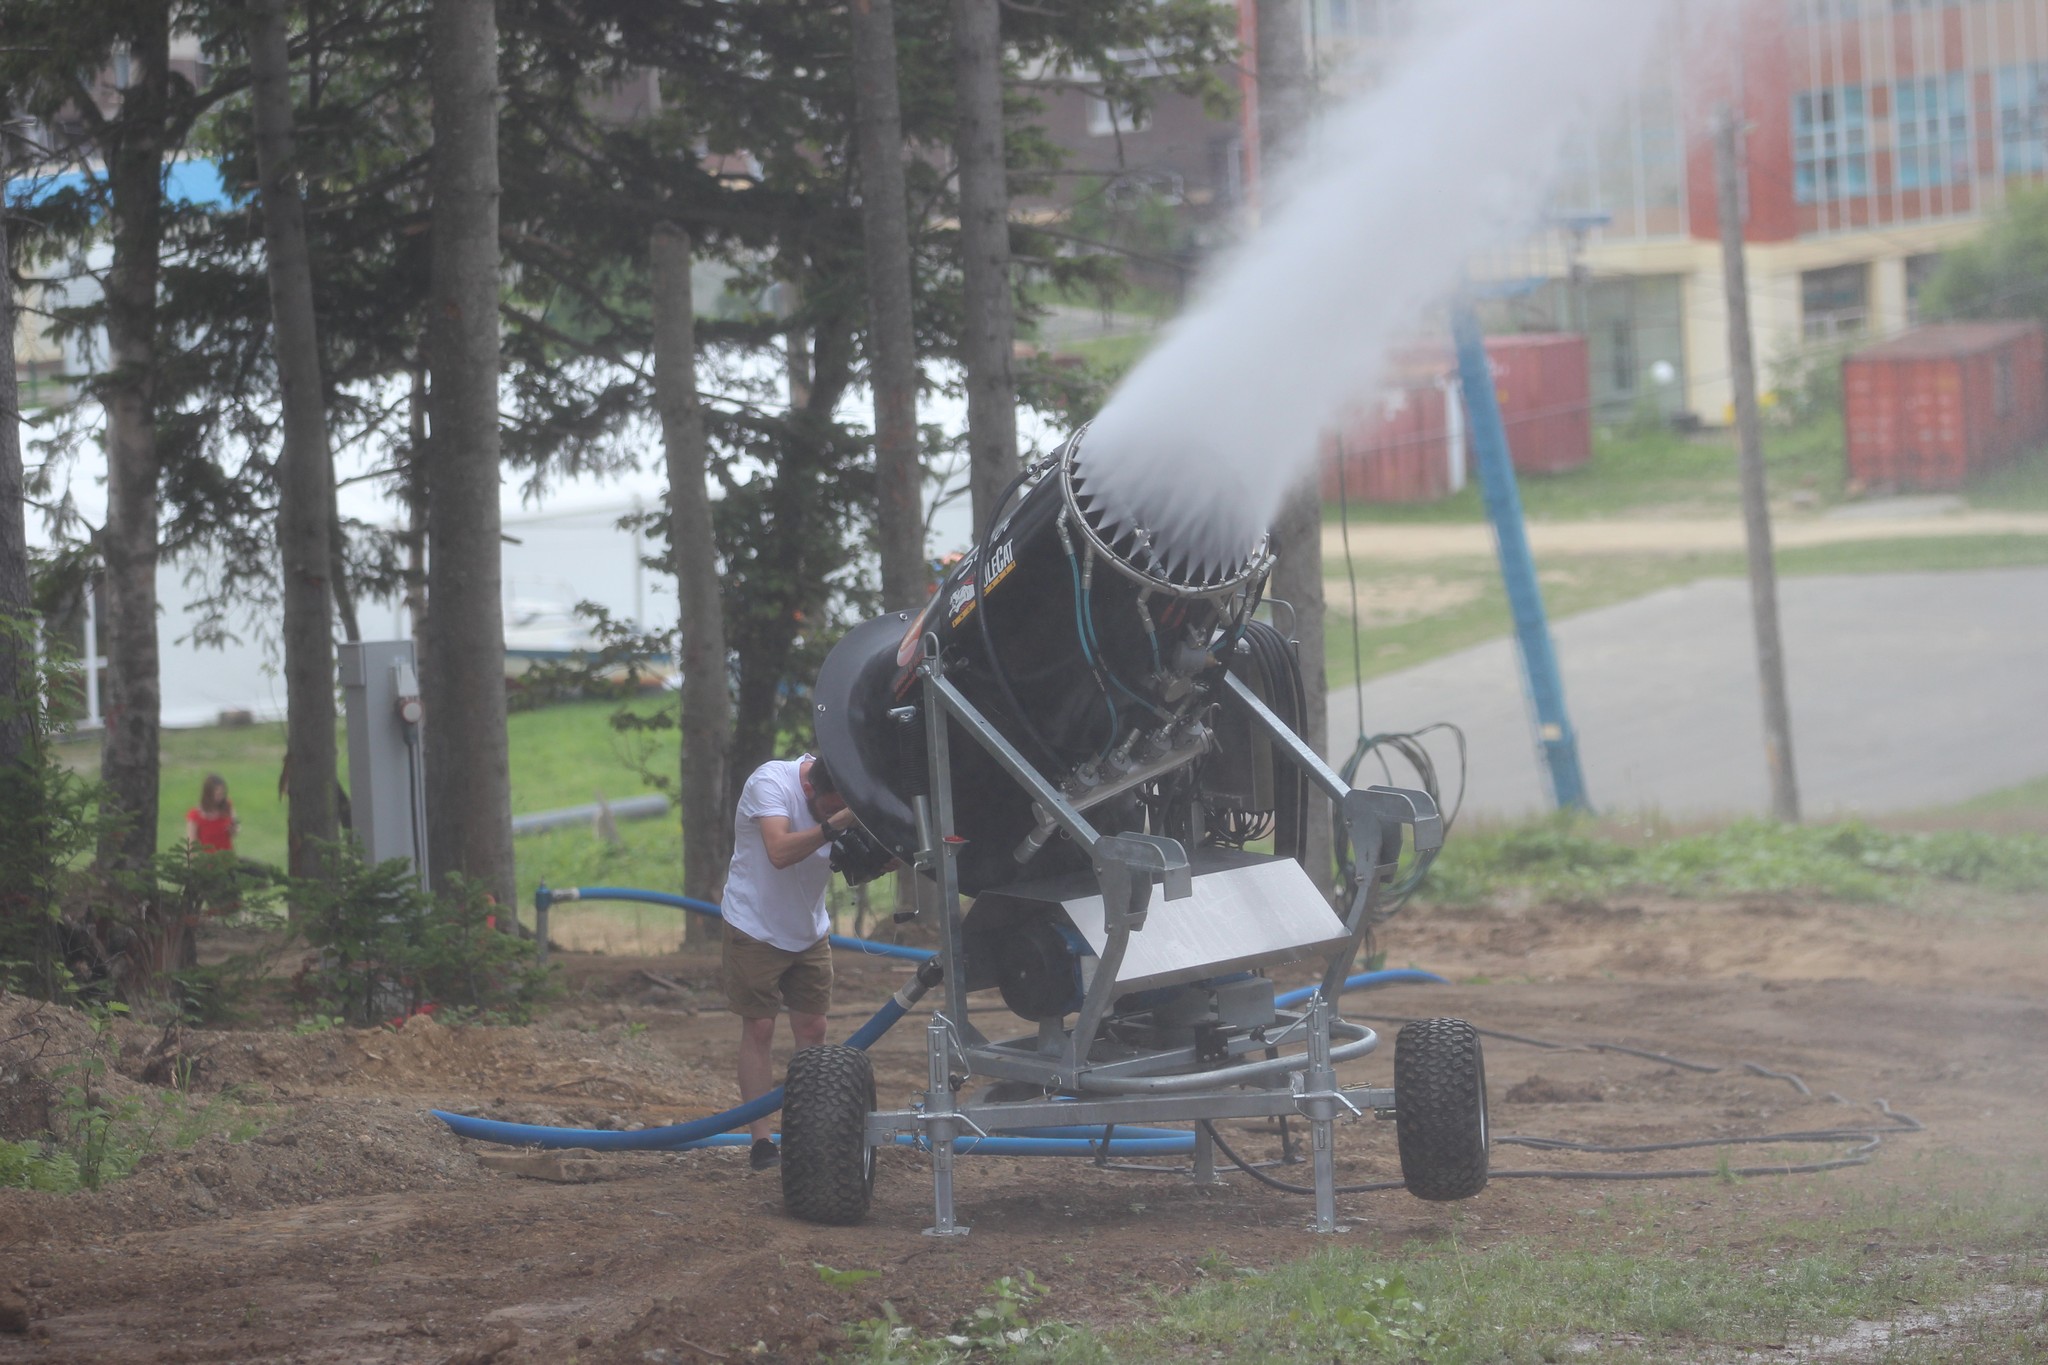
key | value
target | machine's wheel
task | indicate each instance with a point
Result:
(828, 1169)
(1440, 1108)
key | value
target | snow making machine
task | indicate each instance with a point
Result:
(1081, 734)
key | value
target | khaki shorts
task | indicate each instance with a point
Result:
(761, 979)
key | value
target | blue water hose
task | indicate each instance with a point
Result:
(1168, 1142)
(678, 1135)
(1364, 981)
(716, 1130)
(544, 897)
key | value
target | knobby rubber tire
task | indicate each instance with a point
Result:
(828, 1169)
(1440, 1108)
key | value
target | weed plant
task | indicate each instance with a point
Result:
(95, 1137)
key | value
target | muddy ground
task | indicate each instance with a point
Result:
(355, 1229)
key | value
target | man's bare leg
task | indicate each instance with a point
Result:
(757, 1065)
(809, 1029)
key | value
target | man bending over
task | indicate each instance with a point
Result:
(777, 954)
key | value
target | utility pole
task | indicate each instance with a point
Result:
(1756, 509)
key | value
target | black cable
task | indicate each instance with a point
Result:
(1866, 1141)
(1412, 751)
(1706, 1068)
(1280, 673)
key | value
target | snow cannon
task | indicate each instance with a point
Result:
(1090, 650)
(1085, 731)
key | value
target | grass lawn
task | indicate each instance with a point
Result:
(1626, 1279)
(1112, 356)
(561, 756)
(2020, 487)
(2027, 798)
(1666, 473)
(1566, 858)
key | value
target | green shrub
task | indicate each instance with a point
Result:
(387, 949)
(49, 823)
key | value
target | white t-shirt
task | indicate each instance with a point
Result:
(784, 906)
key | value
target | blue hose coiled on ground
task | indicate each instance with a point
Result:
(715, 1130)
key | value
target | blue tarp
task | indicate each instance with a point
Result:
(191, 182)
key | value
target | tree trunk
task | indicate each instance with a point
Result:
(305, 468)
(988, 331)
(764, 636)
(18, 719)
(892, 344)
(415, 494)
(701, 652)
(1285, 93)
(462, 681)
(133, 697)
(337, 565)
(24, 915)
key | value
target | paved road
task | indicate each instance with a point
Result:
(1908, 690)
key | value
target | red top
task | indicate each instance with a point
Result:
(215, 831)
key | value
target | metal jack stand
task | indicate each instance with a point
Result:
(941, 1125)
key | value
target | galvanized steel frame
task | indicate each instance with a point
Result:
(1126, 866)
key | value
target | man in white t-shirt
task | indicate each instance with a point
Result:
(777, 951)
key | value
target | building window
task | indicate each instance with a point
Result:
(1226, 169)
(1919, 270)
(1934, 131)
(1835, 302)
(2023, 119)
(1830, 146)
(1825, 11)
(1351, 18)
(1107, 118)
(1622, 341)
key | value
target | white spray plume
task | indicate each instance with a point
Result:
(1452, 154)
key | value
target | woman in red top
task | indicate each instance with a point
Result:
(212, 823)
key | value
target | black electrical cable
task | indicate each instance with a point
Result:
(1866, 1140)
(1706, 1068)
(1411, 749)
(1279, 674)
(1409, 746)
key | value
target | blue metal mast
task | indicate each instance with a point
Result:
(1555, 739)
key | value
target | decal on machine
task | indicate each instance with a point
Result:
(962, 604)
(999, 565)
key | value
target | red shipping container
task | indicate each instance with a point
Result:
(1391, 451)
(1545, 384)
(1397, 450)
(1938, 406)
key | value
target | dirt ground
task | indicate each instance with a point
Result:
(354, 1228)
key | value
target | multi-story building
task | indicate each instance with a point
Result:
(1878, 133)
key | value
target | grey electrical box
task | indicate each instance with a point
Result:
(386, 775)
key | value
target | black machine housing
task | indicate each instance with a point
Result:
(1101, 660)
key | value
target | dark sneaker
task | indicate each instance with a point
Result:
(765, 1155)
